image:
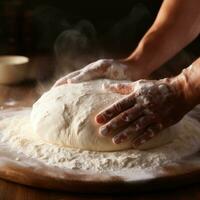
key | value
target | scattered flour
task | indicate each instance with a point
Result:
(15, 132)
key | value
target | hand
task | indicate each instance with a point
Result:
(104, 68)
(148, 108)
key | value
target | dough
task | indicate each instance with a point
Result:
(65, 116)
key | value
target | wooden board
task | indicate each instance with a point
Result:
(34, 173)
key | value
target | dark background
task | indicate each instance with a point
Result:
(33, 25)
(74, 29)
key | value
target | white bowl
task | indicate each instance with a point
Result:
(13, 69)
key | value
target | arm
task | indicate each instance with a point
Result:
(176, 25)
(150, 106)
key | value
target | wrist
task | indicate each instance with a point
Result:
(145, 57)
(135, 69)
(184, 90)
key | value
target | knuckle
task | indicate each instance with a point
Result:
(126, 102)
(108, 113)
(126, 117)
(141, 124)
(117, 107)
(137, 127)
(113, 124)
(121, 137)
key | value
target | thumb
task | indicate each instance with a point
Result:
(122, 88)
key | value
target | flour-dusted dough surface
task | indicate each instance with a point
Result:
(65, 116)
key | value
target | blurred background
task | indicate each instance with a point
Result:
(64, 35)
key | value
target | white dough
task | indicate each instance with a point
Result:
(65, 116)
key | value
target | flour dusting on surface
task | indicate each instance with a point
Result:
(15, 132)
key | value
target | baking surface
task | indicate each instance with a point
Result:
(33, 173)
(9, 190)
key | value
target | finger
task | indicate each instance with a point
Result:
(64, 79)
(81, 77)
(91, 72)
(60, 82)
(73, 74)
(121, 120)
(137, 127)
(122, 88)
(115, 109)
(149, 133)
(85, 76)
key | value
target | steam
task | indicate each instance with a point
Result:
(125, 34)
(79, 44)
(49, 21)
(76, 47)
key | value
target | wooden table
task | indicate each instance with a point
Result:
(11, 191)
(25, 95)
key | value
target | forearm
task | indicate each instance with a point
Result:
(176, 25)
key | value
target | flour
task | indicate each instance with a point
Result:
(15, 132)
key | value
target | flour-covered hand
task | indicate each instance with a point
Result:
(104, 68)
(148, 107)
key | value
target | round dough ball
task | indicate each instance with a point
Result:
(65, 115)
